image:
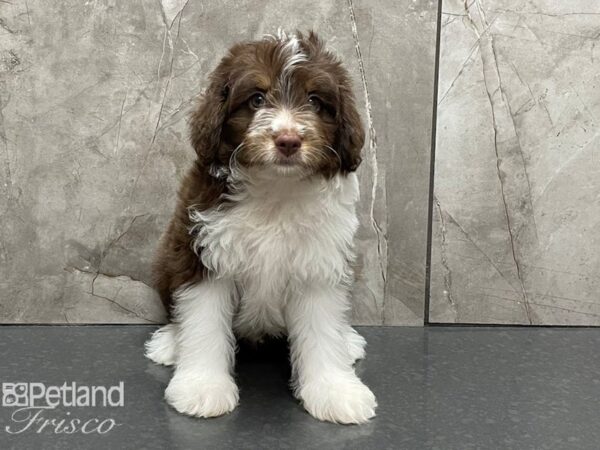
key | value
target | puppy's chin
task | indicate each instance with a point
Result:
(290, 170)
(288, 165)
(281, 169)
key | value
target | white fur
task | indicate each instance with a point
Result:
(279, 250)
(161, 346)
(294, 54)
(273, 121)
(276, 121)
(283, 121)
(356, 344)
(203, 385)
(323, 377)
(276, 230)
(291, 47)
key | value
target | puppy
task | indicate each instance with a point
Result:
(261, 240)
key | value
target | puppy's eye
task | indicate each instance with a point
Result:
(257, 101)
(315, 103)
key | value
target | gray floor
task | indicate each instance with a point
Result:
(442, 388)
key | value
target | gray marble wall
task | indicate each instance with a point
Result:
(93, 138)
(517, 167)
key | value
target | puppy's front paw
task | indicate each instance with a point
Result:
(344, 401)
(202, 398)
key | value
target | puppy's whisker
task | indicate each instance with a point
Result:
(233, 163)
(336, 153)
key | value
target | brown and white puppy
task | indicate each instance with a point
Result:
(261, 240)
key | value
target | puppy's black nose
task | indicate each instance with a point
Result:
(288, 143)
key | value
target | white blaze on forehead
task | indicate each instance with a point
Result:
(292, 45)
(291, 51)
(293, 54)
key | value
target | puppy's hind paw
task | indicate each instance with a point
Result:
(160, 348)
(356, 345)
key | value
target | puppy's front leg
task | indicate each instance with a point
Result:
(324, 378)
(203, 385)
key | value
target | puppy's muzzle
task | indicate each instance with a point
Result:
(288, 143)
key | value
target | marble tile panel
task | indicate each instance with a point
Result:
(93, 142)
(517, 167)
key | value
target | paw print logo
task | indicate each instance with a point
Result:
(14, 394)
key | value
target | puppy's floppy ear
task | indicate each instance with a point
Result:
(206, 122)
(351, 134)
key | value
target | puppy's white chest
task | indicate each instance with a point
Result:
(274, 240)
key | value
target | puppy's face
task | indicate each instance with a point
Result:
(282, 108)
(284, 105)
